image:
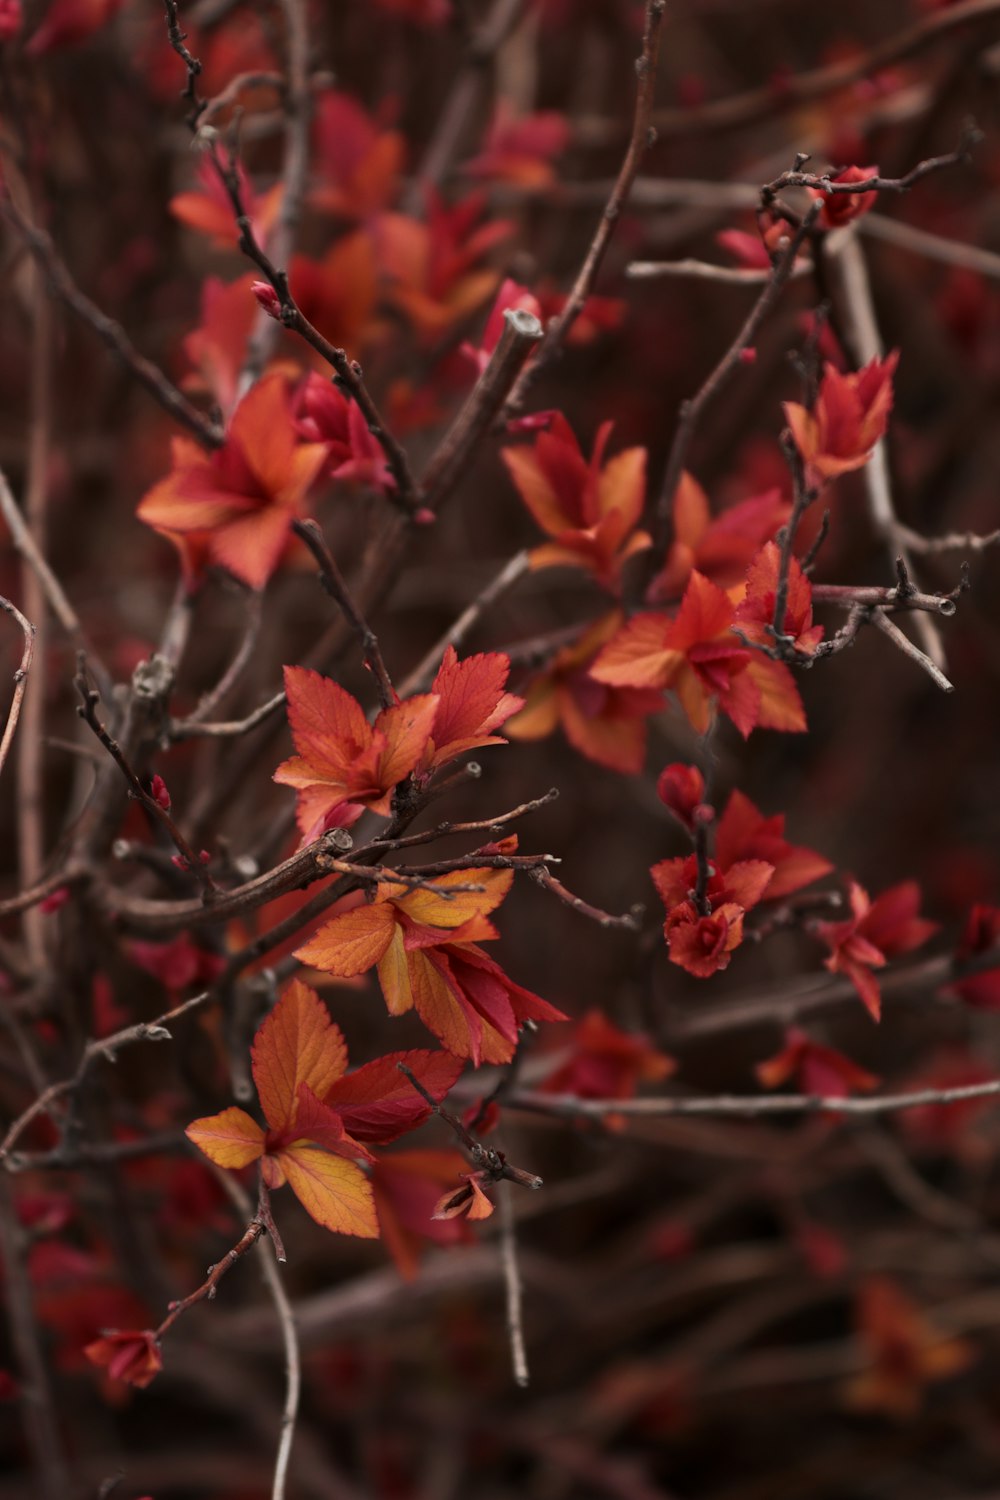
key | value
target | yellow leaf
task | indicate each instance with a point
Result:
(230, 1139)
(333, 1190)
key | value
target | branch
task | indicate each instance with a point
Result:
(294, 180)
(747, 1106)
(348, 371)
(933, 246)
(148, 375)
(332, 580)
(882, 622)
(631, 920)
(88, 712)
(858, 312)
(755, 104)
(289, 1338)
(140, 915)
(640, 139)
(468, 84)
(423, 675)
(20, 677)
(512, 1285)
(521, 332)
(29, 550)
(107, 1047)
(703, 270)
(190, 728)
(875, 184)
(691, 410)
(40, 1428)
(244, 654)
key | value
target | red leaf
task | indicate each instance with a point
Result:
(296, 1044)
(379, 1103)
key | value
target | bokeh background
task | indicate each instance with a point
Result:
(702, 1296)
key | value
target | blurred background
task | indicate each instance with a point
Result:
(717, 1308)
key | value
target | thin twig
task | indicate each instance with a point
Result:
(148, 375)
(759, 103)
(294, 180)
(185, 729)
(858, 314)
(874, 184)
(692, 409)
(20, 677)
(640, 139)
(210, 702)
(748, 1106)
(512, 1285)
(953, 541)
(88, 712)
(631, 920)
(703, 270)
(140, 915)
(347, 370)
(932, 246)
(468, 83)
(482, 825)
(333, 582)
(289, 1339)
(107, 1047)
(882, 622)
(41, 1430)
(422, 676)
(28, 548)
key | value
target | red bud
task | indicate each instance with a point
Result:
(158, 792)
(268, 298)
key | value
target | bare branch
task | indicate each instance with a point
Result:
(640, 139)
(20, 677)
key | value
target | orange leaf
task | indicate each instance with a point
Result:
(394, 975)
(407, 727)
(230, 1139)
(328, 725)
(640, 654)
(351, 942)
(297, 1044)
(431, 910)
(472, 702)
(334, 1191)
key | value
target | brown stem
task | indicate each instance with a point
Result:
(88, 712)
(347, 370)
(20, 677)
(107, 1047)
(691, 410)
(640, 139)
(40, 1429)
(332, 580)
(294, 179)
(748, 1106)
(521, 332)
(148, 375)
(631, 921)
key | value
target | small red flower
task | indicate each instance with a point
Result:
(681, 789)
(703, 942)
(132, 1356)
(849, 416)
(840, 208)
(815, 1068)
(875, 932)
